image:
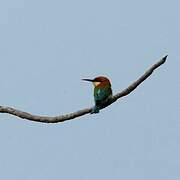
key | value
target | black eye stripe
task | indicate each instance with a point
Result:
(98, 80)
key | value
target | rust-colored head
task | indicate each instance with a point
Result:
(99, 81)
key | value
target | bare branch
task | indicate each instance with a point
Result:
(61, 118)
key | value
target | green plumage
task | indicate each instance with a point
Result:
(100, 95)
(102, 91)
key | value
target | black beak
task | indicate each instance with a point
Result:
(91, 80)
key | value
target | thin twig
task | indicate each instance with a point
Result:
(61, 118)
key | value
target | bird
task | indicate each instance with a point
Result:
(102, 91)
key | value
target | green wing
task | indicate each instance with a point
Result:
(101, 94)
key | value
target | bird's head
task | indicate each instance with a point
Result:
(99, 81)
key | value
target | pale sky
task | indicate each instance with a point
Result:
(47, 47)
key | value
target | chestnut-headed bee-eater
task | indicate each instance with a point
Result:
(102, 91)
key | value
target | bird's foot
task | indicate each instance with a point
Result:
(95, 110)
